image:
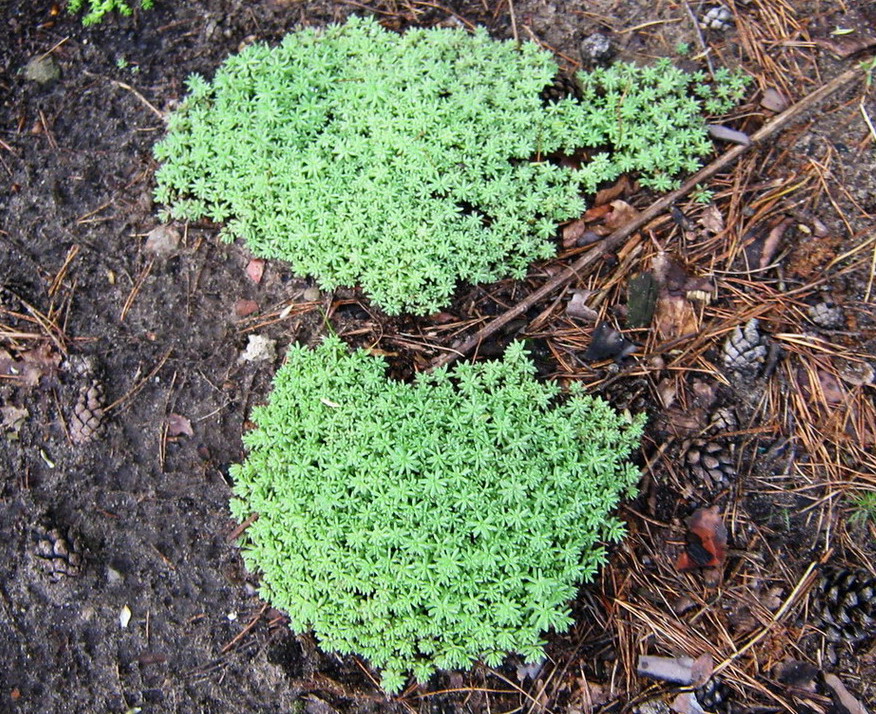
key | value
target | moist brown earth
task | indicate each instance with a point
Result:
(124, 394)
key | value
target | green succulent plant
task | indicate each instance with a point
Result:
(407, 163)
(98, 8)
(427, 525)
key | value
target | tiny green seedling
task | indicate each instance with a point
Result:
(98, 8)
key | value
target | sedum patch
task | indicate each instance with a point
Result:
(427, 525)
(406, 163)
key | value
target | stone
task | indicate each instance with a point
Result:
(42, 69)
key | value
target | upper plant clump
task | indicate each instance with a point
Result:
(404, 163)
(427, 525)
(99, 8)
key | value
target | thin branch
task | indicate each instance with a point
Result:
(614, 240)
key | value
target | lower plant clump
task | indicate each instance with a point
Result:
(424, 526)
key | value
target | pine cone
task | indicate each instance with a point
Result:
(563, 85)
(58, 554)
(709, 462)
(87, 415)
(845, 605)
(828, 315)
(744, 350)
(718, 18)
(715, 696)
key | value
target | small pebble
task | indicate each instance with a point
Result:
(42, 69)
(312, 295)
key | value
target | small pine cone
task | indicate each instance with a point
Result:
(709, 462)
(828, 315)
(744, 350)
(844, 603)
(714, 696)
(81, 366)
(58, 554)
(723, 419)
(562, 86)
(717, 18)
(87, 415)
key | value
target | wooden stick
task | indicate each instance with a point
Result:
(614, 240)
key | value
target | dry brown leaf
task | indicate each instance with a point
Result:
(771, 244)
(675, 317)
(712, 220)
(31, 365)
(683, 422)
(243, 308)
(178, 424)
(579, 308)
(706, 541)
(846, 46)
(622, 187)
(667, 392)
(773, 100)
(12, 417)
(849, 702)
(620, 215)
(686, 703)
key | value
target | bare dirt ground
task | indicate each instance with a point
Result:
(124, 398)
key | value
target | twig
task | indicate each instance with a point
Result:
(655, 209)
(700, 41)
(139, 385)
(240, 635)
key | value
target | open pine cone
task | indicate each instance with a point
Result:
(57, 553)
(844, 603)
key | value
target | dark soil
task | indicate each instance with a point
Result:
(160, 614)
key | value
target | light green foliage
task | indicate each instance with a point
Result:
(98, 8)
(404, 163)
(702, 194)
(864, 508)
(426, 525)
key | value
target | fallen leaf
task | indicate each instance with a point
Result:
(773, 100)
(675, 317)
(844, 47)
(30, 366)
(578, 233)
(243, 308)
(608, 343)
(255, 269)
(712, 220)
(797, 675)
(771, 244)
(12, 418)
(679, 670)
(579, 308)
(686, 703)
(828, 391)
(178, 424)
(641, 300)
(622, 187)
(620, 215)
(667, 392)
(844, 697)
(706, 541)
(725, 133)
